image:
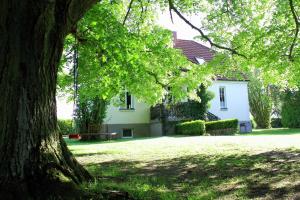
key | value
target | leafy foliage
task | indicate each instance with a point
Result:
(262, 34)
(276, 123)
(137, 55)
(65, 127)
(260, 103)
(253, 123)
(191, 128)
(192, 109)
(230, 124)
(116, 51)
(203, 106)
(90, 113)
(291, 109)
(120, 49)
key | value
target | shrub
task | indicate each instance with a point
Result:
(290, 113)
(253, 123)
(260, 102)
(222, 127)
(65, 127)
(196, 127)
(276, 123)
(90, 112)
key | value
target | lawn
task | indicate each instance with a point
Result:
(227, 167)
(275, 131)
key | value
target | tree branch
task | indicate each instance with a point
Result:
(297, 27)
(128, 11)
(156, 79)
(76, 10)
(233, 51)
(171, 15)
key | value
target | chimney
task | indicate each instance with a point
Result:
(174, 37)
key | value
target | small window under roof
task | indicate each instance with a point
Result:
(200, 60)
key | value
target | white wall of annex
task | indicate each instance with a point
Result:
(140, 115)
(236, 99)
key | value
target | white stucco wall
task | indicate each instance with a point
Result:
(236, 99)
(141, 114)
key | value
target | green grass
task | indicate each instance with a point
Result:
(275, 131)
(200, 167)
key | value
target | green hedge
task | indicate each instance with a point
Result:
(191, 128)
(276, 123)
(222, 127)
(65, 127)
(290, 111)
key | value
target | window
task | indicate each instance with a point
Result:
(127, 133)
(126, 101)
(222, 93)
(200, 60)
(169, 96)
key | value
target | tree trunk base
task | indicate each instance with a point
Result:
(56, 176)
(55, 189)
(42, 188)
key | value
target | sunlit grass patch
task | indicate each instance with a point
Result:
(276, 131)
(229, 167)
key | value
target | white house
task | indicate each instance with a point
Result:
(230, 101)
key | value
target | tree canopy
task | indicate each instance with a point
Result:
(246, 34)
(123, 37)
(118, 52)
(251, 34)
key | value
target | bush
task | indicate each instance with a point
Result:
(222, 127)
(65, 126)
(191, 128)
(260, 102)
(290, 113)
(276, 123)
(253, 123)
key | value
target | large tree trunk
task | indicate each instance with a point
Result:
(31, 44)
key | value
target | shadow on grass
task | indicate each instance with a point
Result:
(94, 154)
(270, 175)
(72, 142)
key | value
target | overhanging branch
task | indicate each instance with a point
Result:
(76, 10)
(128, 11)
(156, 79)
(297, 27)
(233, 51)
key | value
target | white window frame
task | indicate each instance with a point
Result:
(127, 129)
(223, 106)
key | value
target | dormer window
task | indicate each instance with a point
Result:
(200, 60)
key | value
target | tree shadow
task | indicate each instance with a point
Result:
(71, 142)
(93, 154)
(264, 175)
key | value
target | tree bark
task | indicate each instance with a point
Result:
(31, 43)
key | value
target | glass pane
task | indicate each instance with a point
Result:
(128, 100)
(127, 133)
(222, 97)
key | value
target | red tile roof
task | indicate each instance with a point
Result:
(193, 50)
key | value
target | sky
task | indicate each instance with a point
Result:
(184, 31)
(64, 108)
